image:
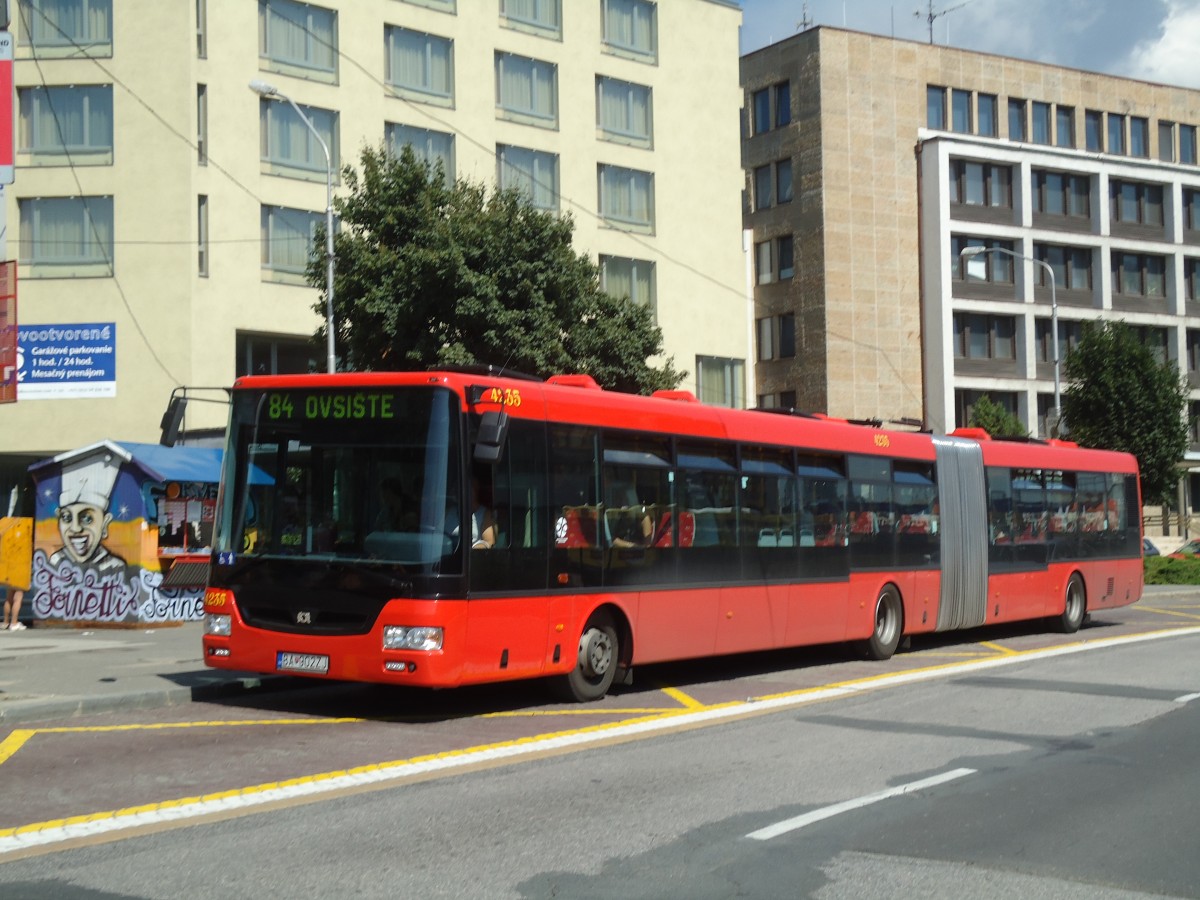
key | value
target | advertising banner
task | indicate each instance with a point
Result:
(61, 361)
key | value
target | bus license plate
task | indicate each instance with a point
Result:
(301, 662)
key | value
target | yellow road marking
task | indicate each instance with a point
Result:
(1170, 612)
(683, 699)
(14, 742)
(999, 648)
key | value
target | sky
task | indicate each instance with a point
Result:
(1153, 40)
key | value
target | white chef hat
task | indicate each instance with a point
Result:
(89, 481)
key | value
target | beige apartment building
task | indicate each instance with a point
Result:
(872, 162)
(163, 211)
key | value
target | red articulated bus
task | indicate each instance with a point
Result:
(446, 528)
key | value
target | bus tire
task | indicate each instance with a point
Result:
(889, 624)
(596, 662)
(1074, 606)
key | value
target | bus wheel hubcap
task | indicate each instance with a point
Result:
(595, 652)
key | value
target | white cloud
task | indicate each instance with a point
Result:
(1170, 57)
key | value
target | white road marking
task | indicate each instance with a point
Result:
(1187, 698)
(828, 812)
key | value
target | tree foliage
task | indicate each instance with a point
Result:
(434, 273)
(995, 419)
(1120, 398)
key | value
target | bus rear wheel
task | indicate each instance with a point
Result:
(889, 623)
(596, 663)
(1074, 608)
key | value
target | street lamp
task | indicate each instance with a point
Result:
(969, 252)
(268, 90)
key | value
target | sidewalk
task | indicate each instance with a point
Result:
(51, 673)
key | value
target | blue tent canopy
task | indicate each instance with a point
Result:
(195, 464)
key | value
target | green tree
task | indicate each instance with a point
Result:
(1120, 398)
(435, 273)
(995, 419)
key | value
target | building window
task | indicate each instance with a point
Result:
(1138, 274)
(1191, 281)
(633, 279)
(764, 268)
(420, 66)
(1166, 141)
(446, 6)
(771, 107)
(1070, 333)
(964, 403)
(624, 111)
(1139, 136)
(987, 115)
(287, 240)
(1156, 340)
(935, 107)
(66, 27)
(1135, 203)
(297, 38)
(259, 354)
(980, 184)
(1064, 126)
(1060, 194)
(978, 336)
(1016, 119)
(773, 184)
(992, 268)
(1116, 133)
(202, 235)
(783, 181)
(1072, 266)
(777, 337)
(539, 16)
(1187, 144)
(720, 380)
(1191, 209)
(75, 122)
(202, 29)
(626, 197)
(533, 172)
(202, 124)
(1041, 122)
(67, 235)
(960, 111)
(289, 144)
(631, 28)
(526, 90)
(786, 254)
(1093, 130)
(764, 196)
(432, 147)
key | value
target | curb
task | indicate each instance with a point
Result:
(42, 708)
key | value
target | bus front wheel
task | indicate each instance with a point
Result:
(1075, 607)
(889, 623)
(596, 662)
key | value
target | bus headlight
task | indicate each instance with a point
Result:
(401, 637)
(217, 625)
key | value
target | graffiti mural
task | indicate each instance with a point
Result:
(96, 556)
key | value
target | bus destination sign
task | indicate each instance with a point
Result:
(361, 405)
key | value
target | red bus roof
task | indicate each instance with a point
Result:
(576, 400)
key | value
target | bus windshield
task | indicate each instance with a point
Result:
(355, 474)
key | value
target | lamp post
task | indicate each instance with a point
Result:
(267, 90)
(969, 252)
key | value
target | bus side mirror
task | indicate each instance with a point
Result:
(172, 420)
(493, 431)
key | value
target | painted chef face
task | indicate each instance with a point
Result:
(82, 527)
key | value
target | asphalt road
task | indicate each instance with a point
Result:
(1064, 775)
